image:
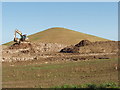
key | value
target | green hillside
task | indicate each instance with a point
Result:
(61, 35)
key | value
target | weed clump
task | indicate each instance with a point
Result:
(91, 86)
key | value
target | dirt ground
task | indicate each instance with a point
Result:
(35, 65)
(37, 74)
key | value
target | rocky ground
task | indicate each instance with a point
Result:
(54, 51)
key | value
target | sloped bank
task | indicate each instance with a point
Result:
(85, 46)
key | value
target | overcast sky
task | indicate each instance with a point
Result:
(95, 18)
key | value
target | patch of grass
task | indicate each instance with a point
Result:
(108, 85)
(58, 66)
(90, 85)
(67, 86)
(47, 67)
(9, 43)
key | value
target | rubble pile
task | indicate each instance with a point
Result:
(86, 46)
(29, 51)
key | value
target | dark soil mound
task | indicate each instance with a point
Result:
(20, 46)
(70, 49)
(24, 47)
(86, 46)
(83, 43)
(75, 49)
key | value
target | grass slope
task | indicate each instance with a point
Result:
(61, 35)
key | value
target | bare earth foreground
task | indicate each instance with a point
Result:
(41, 65)
(34, 74)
